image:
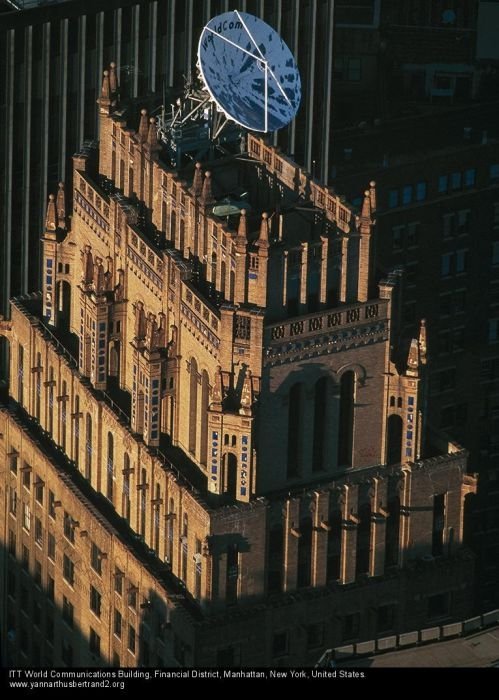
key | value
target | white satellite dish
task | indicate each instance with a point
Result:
(249, 72)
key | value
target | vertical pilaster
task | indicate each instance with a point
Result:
(319, 538)
(349, 534)
(291, 535)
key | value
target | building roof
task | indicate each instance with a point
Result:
(478, 650)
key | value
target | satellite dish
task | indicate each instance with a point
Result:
(249, 71)
(448, 17)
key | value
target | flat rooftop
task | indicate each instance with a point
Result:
(479, 650)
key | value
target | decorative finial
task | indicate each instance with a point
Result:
(61, 207)
(113, 78)
(242, 229)
(143, 126)
(51, 218)
(263, 238)
(207, 194)
(152, 135)
(197, 182)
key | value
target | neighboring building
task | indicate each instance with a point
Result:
(51, 61)
(232, 393)
(437, 178)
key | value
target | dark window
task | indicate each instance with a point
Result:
(385, 618)
(50, 588)
(37, 573)
(131, 638)
(26, 471)
(67, 653)
(12, 543)
(67, 611)
(51, 546)
(96, 559)
(94, 643)
(51, 504)
(438, 605)
(346, 419)
(438, 525)
(118, 581)
(315, 635)
(351, 626)
(117, 623)
(39, 491)
(294, 430)
(25, 558)
(68, 570)
(69, 527)
(95, 601)
(38, 532)
(280, 643)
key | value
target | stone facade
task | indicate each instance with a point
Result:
(231, 395)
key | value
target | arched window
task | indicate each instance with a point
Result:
(110, 466)
(205, 403)
(346, 419)
(364, 531)
(38, 385)
(275, 559)
(223, 274)
(182, 235)
(193, 406)
(230, 474)
(185, 547)
(76, 444)
(173, 226)
(126, 505)
(392, 523)
(392, 401)
(63, 422)
(320, 415)
(394, 440)
(50, 401)
(88, 448)
(170, 530)
(334, 542)
(294, 430)
(305, 552)
(157, 511)
(399, 402)
(143, 491)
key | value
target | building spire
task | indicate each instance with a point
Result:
(113, 78)
(413, 359)
(51, 218)
(366, 214)
(152, 135)
(143, 126)
(197, 182)
(246, 395)
(242, 229)
(104, 100)
(422, 341)
(263, 238)
(207, 193)
(372, 195)
(61, 207)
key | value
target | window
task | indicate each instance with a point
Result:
(351, 626)
(13, 463)
(12, 543)
(495, 213)
(26, 470)
(412, 234)
(118, 581)
(26, 517)
(131, 638)
(443, 183)
(469, 177)
(37, 613)
(132, 598)
(280, 644)
(446, 264)
(51, 504)
(50, 588)
(461, 260)
(407, 194)
(463, 222)
(96, 559)
(68, 570)
(315, 635)
(69, 527)
(37, 573)
(95, 601)
(12, 501)
(385, 618)
(455, 181)
(94, 643)
(493, 330)
(25, 558)
(494, 172)
(67, 611)
(448, 225)
(393, 199)
(438, 605)
(51, 546)
(38, 532)
(11, 585)
(495, 253)
(117, 623)
(398, 237)
(420, 191)
(39, 491)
